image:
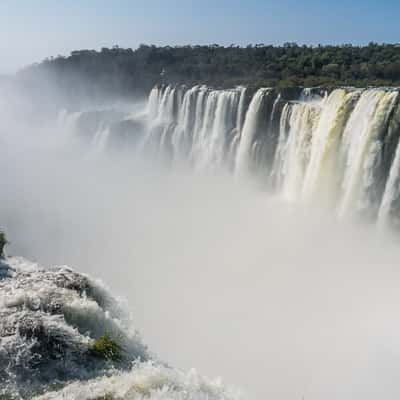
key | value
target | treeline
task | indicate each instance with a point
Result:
(125, 72)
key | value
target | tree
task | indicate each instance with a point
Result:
(118, 72)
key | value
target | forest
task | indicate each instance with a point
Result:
(125, 72)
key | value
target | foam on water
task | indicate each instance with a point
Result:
(146, 380)
(49, 319)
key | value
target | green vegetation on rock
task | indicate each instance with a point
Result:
(107, 348)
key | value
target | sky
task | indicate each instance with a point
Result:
(31, 30)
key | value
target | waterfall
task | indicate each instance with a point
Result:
(250, 126)
(241, 110)
(217, 132)
(100, 139)
(360, 146)
(153, 103)
(180, 136)
(392, 191)
(200, 107)
(165, 112)
(338, 149)
(201, 143)
(295, 152)
(322, 168)
(161, 109)
(277, 170)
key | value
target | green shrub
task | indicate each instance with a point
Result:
(106, 348)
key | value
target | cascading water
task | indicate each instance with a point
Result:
(50, 320)
(241, 110)
(389, 207)
(249, 130)
(321, 175)
(295, 156)
(185, 124)
(361, 146)
(392, 192)
(217, 131)
(100, 139)
(335, 149)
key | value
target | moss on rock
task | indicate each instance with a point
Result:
(107, 348)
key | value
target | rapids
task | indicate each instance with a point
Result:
(49, 320)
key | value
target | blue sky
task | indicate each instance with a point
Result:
(31, 30)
